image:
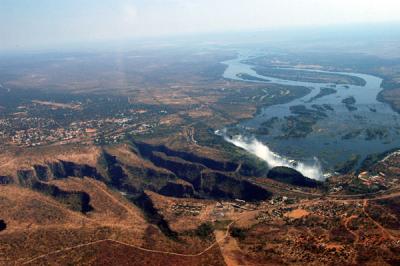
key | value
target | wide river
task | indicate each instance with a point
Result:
(326, 142)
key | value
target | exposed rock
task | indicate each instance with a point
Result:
(145, 203)
(207, 182)
(146, 150)
(168, 172)
(177, 189)
(42, 172)
(221, 186)
(3, 225)
(6, 180)
(131, 178)
(75, 200)
(183, 169)
(26, 178)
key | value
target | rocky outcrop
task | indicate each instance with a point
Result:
(145, 203)
(177, 189)
(115, 174)
(43, 172)
(291, 176)
(131, 178)
(63, 169)
(147, 150)
(183, 169)
(26, 178)
(163, 173)
(74, 200)
(221, 186)
(253, 166)
(3, 225)
(34, 179)
(207, 182)
(6, 180)
(80, 170)
(55, 170)
(168, 172)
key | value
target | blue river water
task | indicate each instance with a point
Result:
(326, 142)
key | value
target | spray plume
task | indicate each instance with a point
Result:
(273, 159)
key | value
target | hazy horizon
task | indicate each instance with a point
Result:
(44, 24)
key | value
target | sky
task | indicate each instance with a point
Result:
(45, 23)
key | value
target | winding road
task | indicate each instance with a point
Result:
(216, 242)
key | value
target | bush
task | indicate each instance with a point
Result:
(205, 230)
(239, 233)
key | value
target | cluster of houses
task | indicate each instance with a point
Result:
(102, 131)
(186, 209)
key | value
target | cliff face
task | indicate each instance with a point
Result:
(33, 179)
(223, 186)
(147, 150)
(209, 178)
(145, 203)
(178, 189)
(6, 180)
(135, 169)
(155, 168)
(63, 169)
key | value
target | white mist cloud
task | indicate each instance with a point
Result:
(273, 159)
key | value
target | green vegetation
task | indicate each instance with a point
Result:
(323, 92)
(213, 71)
(269, 95)
(349, 165)
(266, 126)
(301, 123)
(349, 102)
(328, 107)
(376, 133)
(353, 134)
(309, 76)
(239, 233)
(221, 224)
(389, 84)
(250, 77)
(205, 230)
(392, 97)
(291, 176)
(371, 159)
(358, 187)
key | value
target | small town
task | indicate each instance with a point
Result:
(25, 130)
